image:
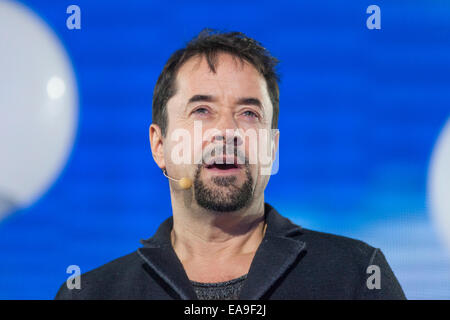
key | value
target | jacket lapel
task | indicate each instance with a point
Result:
(158, 253)
(277, 252)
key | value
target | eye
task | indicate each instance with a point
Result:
(250, 114)
(201, 110)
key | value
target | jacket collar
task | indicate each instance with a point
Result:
(276, 253)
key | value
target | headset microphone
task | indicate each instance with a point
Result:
(183, 183)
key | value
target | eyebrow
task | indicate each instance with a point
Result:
(242, 101)
(201, 98)
(250, 102)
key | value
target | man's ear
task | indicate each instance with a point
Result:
(156, 144)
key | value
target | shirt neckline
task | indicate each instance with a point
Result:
(219, 284)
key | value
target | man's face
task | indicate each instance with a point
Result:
(222, 112)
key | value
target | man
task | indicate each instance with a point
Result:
(223, 241)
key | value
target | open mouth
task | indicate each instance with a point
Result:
(225, 163)
(222, 166)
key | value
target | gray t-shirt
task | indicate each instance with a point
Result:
(228, 290)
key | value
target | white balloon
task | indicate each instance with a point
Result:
(56, 87)
(439, 185)
(38, 107)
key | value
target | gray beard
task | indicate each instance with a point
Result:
(233, 199)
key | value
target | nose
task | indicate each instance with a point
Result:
(228, 132)
(231, 137)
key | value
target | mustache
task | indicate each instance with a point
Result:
(221, 154)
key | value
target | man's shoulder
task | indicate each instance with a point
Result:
(319, 240)
(344, 262)
(322, 244)
(107, 276)
(115, 267)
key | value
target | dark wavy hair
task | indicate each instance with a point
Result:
(209, 43)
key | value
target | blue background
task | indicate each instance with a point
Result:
(359, 115)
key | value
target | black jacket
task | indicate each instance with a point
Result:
(290, 263)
